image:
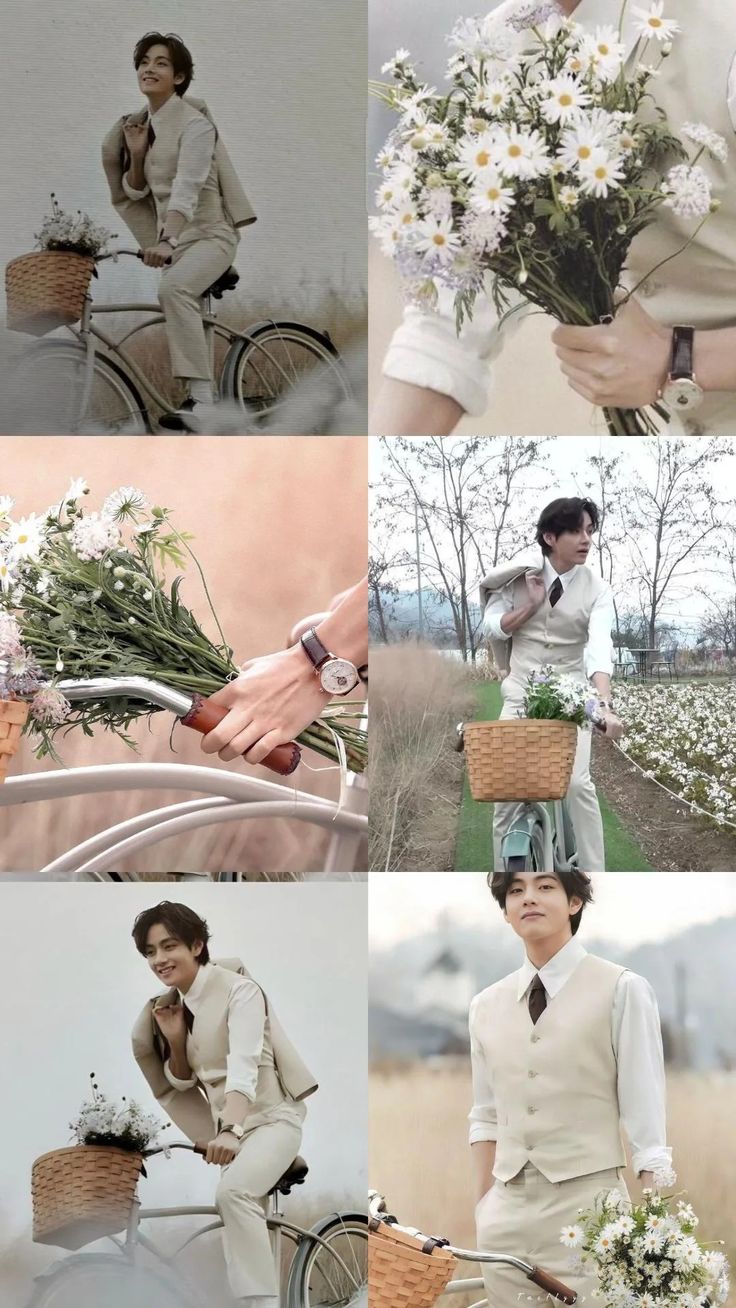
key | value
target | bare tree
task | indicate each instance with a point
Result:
(605, 488)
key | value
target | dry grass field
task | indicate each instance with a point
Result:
(251, 505)
(419, 1156)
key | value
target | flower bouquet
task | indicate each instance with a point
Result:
(538, 167)
(101, 1121)
(85, 595)
(48, 289)
(557, 697)
(647, 1255)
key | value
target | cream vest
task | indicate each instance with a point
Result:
(557, 636)
(555, 1084)
(161, 163)
(698, 287)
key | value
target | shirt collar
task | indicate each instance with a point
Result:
(165, 109)
(550, 576)
(555, 973)
(193, 997)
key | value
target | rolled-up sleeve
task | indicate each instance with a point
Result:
(427, 350)
(500, 602)
(176, 1081)
(637, 1037)
(599, 649)
(195, 160)
(482, 1116)
(246, 1022)
(131, 192)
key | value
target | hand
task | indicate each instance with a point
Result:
(612, 724)
(535, 588)
(222, 1149)
(272, 700)
(647, 1180)
(169, 1019)
(136, 139)
(157, 255)
(619, 366)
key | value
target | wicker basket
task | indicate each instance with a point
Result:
(13, 718)
(83, 1193)
(524, 758)
(401, 1274)
(46, 290)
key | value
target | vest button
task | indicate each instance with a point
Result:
(535, 1038)
(532, 1074)
(531, 1110)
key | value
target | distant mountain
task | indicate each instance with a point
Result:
(693, 975)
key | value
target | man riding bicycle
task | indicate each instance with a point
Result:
(555, 611)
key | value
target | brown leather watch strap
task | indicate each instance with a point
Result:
(683, 340)
(314, 649)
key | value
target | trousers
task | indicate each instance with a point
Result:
(524, 1216)
(196, 264)
(263, 1157)
(582, 803)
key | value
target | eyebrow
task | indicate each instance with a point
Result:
(167, 940)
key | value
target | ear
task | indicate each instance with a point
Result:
(178, 79)
(197, 948)
(549, 539)
(575, 904)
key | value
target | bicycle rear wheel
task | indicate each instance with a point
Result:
(335, 1276)
(49, 384)
(287, 377)
(107, 1281)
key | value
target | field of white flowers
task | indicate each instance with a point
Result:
(685, 737)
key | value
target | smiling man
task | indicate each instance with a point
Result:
(556, 611)
(565, 1052)
(219, 1063)
(679, 332)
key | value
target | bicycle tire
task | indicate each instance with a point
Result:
(263, 392)
(133, 416)
(307, 1272)
(94, 1280)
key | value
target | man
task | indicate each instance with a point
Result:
(220, 1065)
(556, 612)
(565, 1052)
(172, 182)
(434, 376)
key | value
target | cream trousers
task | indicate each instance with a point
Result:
(582, 803)
(262, 1158)
(197, 263)
(524, 1216)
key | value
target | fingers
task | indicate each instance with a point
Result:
(233, 725)
(261, 750)
(219, 1154)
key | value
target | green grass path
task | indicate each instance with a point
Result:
(473, 850)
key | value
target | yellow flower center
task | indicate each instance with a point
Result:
(438, 238)
(493, 193)
(22, 540)
(482, 158)
(584, 152)
(514, 151)
(601, 172)
(406, 217)
(604, 49)
(566, 99)
(655, 22)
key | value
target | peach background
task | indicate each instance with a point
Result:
(280, 526)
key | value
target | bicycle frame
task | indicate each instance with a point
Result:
(556, 855)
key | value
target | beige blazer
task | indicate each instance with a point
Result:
(140, 215)
(495, 580)
(190, 1109)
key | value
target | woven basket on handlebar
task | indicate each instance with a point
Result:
(13, 717)
(45, 290)
(400, 1273)
(522, 759)
(83, 1193)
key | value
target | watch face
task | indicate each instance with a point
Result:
(682, 393)
(338, 676)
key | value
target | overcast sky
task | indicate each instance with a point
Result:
(629, 907)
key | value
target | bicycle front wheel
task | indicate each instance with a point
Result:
(49, 382)
(337, 1275)
(287, 377)
(107, 1281)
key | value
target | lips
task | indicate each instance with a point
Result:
(525, 916)
(166, 972)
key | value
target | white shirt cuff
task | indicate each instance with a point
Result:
(176, 1081)
(464, 380)
(131, 192)
(657, 1160)
(241, 1087)
(482, 1131)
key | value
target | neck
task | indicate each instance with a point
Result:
(559, 567)
(540, 952)
(568, 6)
(156, 102)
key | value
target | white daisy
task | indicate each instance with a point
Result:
(437, 238)
(568, 197)
(577, 144)
(387, 233)
(25, 537)
(493, 97)
(571, 1236)
(520, 154)
(604, 52)
(489, 194)
(437, 136)
(600, 174)
(475, 155)
(605, 1241)
(397, 61)
(125, 502)
(7, 504)
(652, 23)
(565, 99)
(702, 135)
(688, 192)
(77, 488)
(8, 577)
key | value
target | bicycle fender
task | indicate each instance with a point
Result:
(517, 843)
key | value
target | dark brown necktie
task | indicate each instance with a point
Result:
(555, 591)
(188, 1016)
(537, 999)
(151, 134)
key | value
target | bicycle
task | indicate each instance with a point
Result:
(228, 797)
(89, 391)
(328, 1268)
(545, 1280)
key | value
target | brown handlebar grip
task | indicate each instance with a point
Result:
(204, 715)
(550, 1283)
(200, 1148)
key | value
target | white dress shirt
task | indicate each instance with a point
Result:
(636, 1038)
(426, 349)
(197, 147)
(246, 1019)
(598, 650)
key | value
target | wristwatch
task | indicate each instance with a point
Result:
(337, 676)
(606, 704)
(681, 391)
(234, 1129)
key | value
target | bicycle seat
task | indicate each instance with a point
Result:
(227, 281)
(294, 1175)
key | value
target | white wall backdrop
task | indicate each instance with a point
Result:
(74, 984)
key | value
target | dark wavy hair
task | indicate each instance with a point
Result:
(180, 921)
(564, 515)
(180, 56)
(573, 883)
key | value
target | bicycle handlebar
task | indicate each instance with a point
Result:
(198, 1148)
(113, 254)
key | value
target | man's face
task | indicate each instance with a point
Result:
(156, 72)
(537, 906)
(571, 547)
(173, 962)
